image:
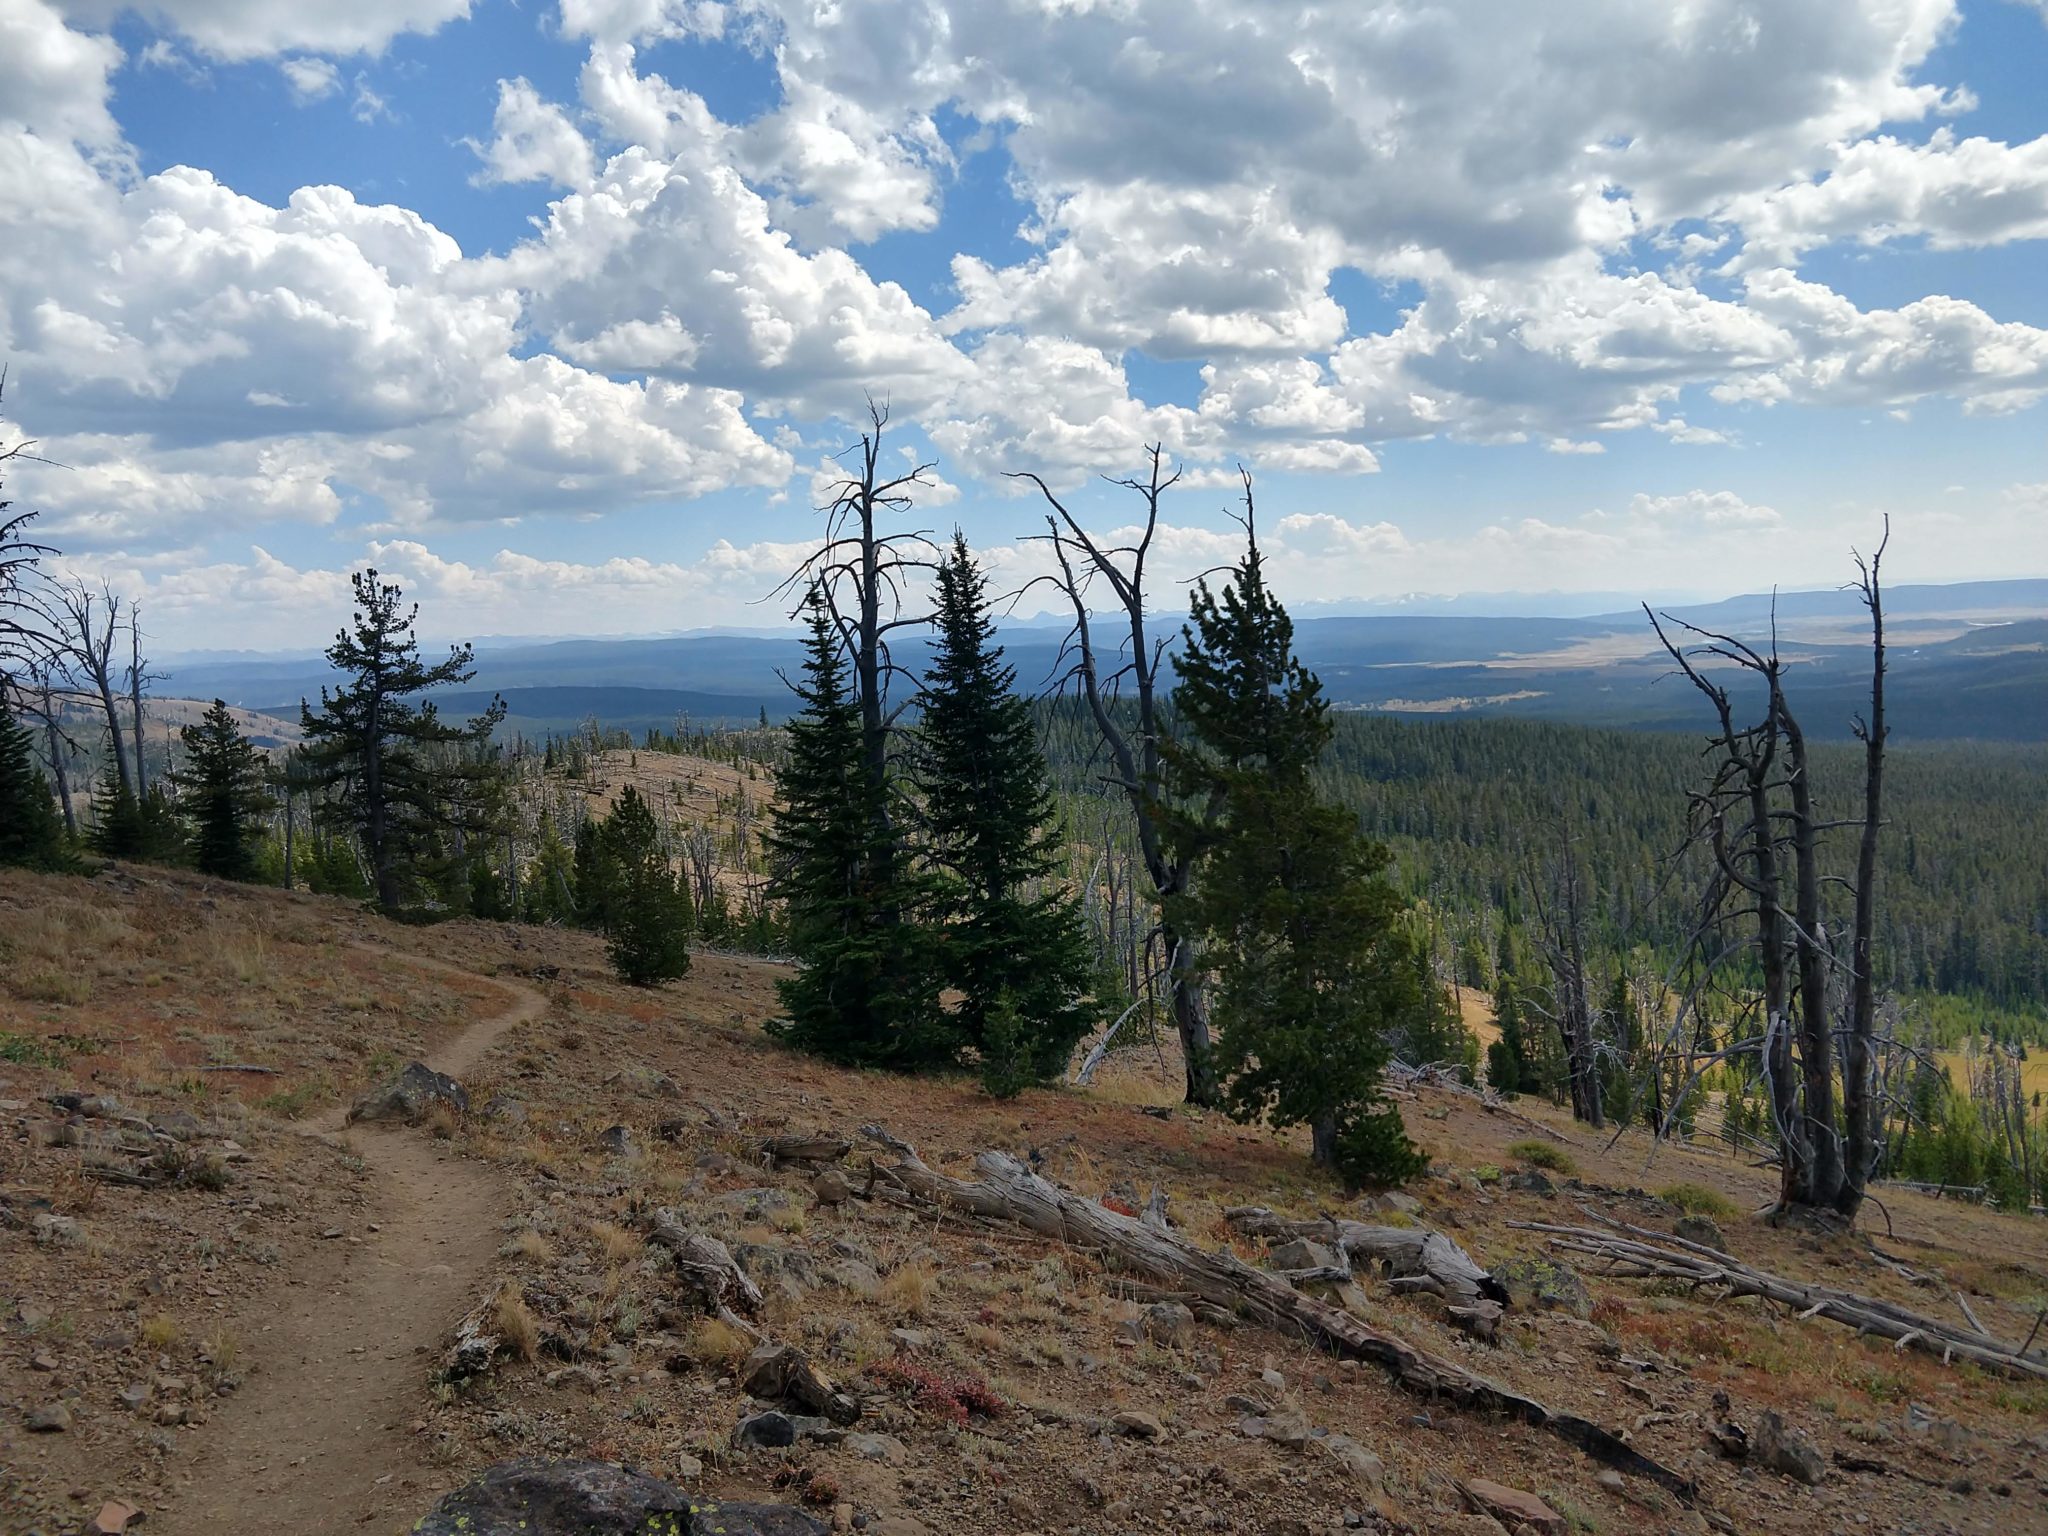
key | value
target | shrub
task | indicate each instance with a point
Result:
(1699, 1200)
(1543, 1154)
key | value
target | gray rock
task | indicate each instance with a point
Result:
(1359, 1464)
(1782, 1448)
(49, 1419)
(56, 1231)
(1282, 1428)
(1305, 1253)
(1136, 1425)
(1701, 1229)
(617, 1141)
(178, 1124)
(1531, 1181)
(410, 1095)
(1169, 1324)
(505, 1109)
(1398, 1200)
(753, 1203)
(877, 1447)
(831, 1188)
(1544, 1285)
(853, 1275)
(531, 1497)
(765, 1431)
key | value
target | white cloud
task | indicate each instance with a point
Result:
(254, 29)
(53, 80)
(310, 79)
(1716, 509)
(532, 140)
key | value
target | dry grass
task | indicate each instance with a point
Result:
(532, 1246)
(907, 1290)
(442, 1122)
(618, 1244)
(719, 1343)
(515, 1323)
(160, 1331)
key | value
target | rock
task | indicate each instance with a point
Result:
(1512, 1507)
(56, 1231)
(831, 1188)
(886, 1449)
(1702, 1230)
(688, 1468)
(775, 1372)
(114, 1518)
(1305, 1253)
(1364, 1468)
(1273, 1379)
(410, 1095)
(1398, 1200)
(135, 1396)
(1281, 1427)
(1545, 1285)
(531, 1497)
(42, 1362)
(907, 1338)
(505, 1109)
(765, 1431)
(1136, 1425)
(582, 1377)
(50, 1419)
(855, 1276)
(1169, 1324)
(751, 1204)
(1783, 1448)
(1533, 1181)
(179, 1125)
(617, 1141)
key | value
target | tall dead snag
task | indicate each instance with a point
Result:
(1009, 1191)
(90, 622)
(1559, 901)
(1133, 741)
(1762, 824)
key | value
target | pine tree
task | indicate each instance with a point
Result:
(1303, 929)
(1507, 1067)
(221, 794)
(596, 876)
(548, 893)
(1013, 945)
(864, 993)
(647, 918)
(31, 836)
(145, 830)
(398, 777)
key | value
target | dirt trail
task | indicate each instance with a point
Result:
(320, 1438)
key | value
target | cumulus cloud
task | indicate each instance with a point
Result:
(254, 29)
(532, 140)
(310, 79)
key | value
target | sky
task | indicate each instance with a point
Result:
(558, 310)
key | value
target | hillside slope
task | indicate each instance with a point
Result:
(160, 1320)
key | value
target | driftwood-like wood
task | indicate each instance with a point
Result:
(1637, 1253)
(800, 1148)
(709, 1267)
(1009, 1191)
(1429, 1260)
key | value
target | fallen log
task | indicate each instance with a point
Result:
(1009, 1191)
(708, 1265)
(1409, 1253)
(1639, 1254)
(798, 1148)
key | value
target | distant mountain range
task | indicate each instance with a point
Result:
(1967, 661)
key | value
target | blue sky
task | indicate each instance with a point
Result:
(1492, 298)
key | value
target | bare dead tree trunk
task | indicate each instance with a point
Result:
(90, 642)
(1136, 765)
(56, 745)
(1861, 1092)
(1561, 936)
(135, 680)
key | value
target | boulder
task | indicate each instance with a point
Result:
(831, 1188)
(1136, 1425)
(617, 1141)
(1513, 1508)
(532, 1497)
(1169, 1324)
(1305, 1253)
(1782, 1448)
(1702, 1230)
(1362, 1466)
(1545, 1285)
(410, 1095)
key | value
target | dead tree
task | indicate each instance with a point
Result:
(57, 743)
(91, 620)
(28, 628)
(859, 574)
(139, 677)
(1560, 907)
(1133, 740)
(1759, 819)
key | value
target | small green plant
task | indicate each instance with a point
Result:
(1542, 1154)
(1699, 1200)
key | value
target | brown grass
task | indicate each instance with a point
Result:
(515, 1323)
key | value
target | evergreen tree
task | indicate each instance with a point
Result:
(31, 836)
(1013, 945)
(1507, 1065)
(398, 778)
(145, 830)
(863, 993)
(221, 794)
(1312, 966)
(597, 876)
(647, 916)
(548, 893)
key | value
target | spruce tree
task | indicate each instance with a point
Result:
(1507, 1067)
(399, 778)
(863, 993)
(221, 794)
(548, 892)
(1013, 945)
(145, 829)
(1312, 965)
(647, 918)
(31, 836)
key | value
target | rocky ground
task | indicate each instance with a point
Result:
(978, 1378)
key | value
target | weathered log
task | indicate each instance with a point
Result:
(1407, 1252)
(799, 1148)
(1644, 1255)
(709, 1267)
(782, 1373)
(1009, 1191)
